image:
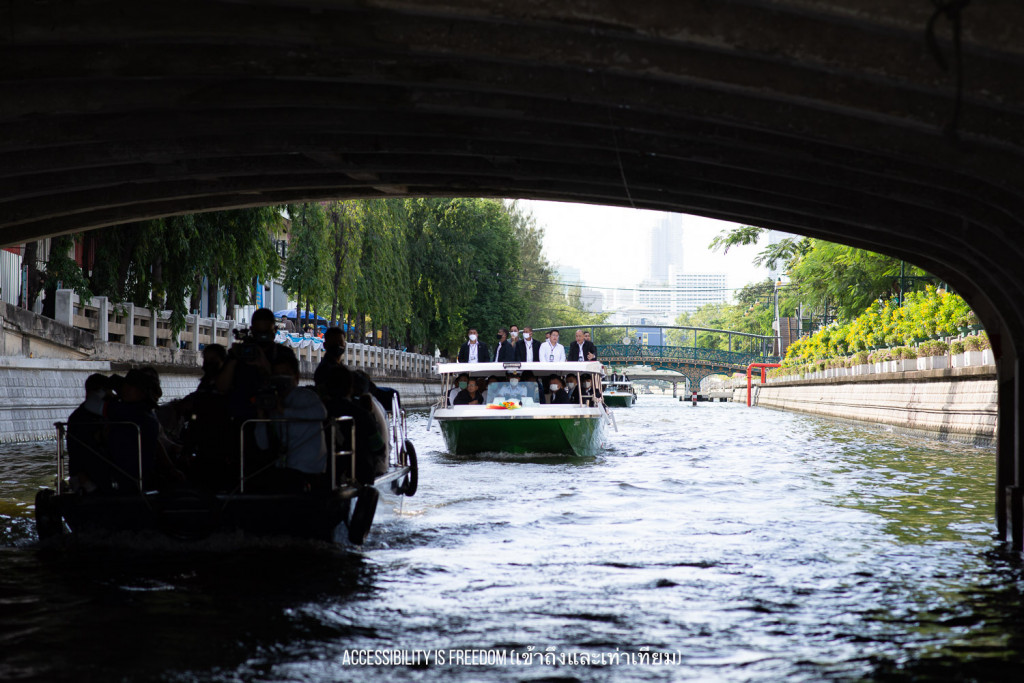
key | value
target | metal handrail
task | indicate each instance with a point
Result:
(61, 433)
(334, 453)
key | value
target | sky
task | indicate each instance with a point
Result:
(611, 245)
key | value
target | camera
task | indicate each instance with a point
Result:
(246, 348)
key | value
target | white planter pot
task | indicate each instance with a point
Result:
(987, 357)
(957, 360)
(880, 367)
(972, 358)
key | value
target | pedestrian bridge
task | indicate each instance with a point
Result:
(704, 357)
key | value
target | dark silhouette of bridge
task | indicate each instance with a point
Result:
(891, 126)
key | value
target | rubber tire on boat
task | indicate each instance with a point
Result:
(49, 522)
(413, 480)
(361, 519)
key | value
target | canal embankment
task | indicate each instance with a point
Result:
(952, 403)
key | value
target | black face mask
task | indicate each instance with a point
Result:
(211, 367)
(499, 337)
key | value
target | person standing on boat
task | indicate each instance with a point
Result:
(552, 351)
(581, 349)
(474, 351)
(528, 350)
(505, 353)
(470, 396)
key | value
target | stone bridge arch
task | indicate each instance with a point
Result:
(830, 118)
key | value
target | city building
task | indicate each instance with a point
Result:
(666, 247)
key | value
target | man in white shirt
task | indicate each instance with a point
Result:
(551, 351)
(528, 350)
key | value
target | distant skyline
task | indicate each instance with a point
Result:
(610, 245)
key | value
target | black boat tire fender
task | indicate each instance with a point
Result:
(361, 519)
(411, 481)
(49, 521)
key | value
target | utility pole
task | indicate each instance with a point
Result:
(778, 323)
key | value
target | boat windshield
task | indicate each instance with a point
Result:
(503, 391)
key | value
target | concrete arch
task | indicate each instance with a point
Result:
(829, 118)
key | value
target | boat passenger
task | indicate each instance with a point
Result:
(591, 392)
(139, 394)
(470, 396)
(461, 382)
(214, 358)
(247, 370)
(334, 350)
(474, 351)
(505, 352)
(552, 351)
(556, 391)
(362, 392)
(515, 390)
(369, 446)
(483, 383)
(528, 350)
(86, 440)
(299, 442)
(581, 349)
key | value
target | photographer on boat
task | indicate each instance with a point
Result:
(334, 351)
(248, 367)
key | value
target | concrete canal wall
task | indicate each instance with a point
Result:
(958, 404)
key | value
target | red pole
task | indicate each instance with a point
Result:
(764, 375)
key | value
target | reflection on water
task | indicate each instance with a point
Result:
(755, 545)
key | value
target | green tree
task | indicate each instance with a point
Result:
(308, 272)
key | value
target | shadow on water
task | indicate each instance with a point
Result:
(531, 458)
(118, 613)
(978, 634)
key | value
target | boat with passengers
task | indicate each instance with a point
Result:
(340, 503)
(618, 391)
(514, 418)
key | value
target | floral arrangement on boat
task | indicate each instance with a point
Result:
(504, 405)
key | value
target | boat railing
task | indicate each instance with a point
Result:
(330, 424)
(399, 433)
(61, 428)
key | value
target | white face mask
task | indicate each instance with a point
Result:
(586, 385)
(553, 387)
(571, 385)
(526, 335)
(515, 333)
(513, 382)
(472, 337)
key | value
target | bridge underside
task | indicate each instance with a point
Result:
(830, 118)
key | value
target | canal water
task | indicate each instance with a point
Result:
(716, 543)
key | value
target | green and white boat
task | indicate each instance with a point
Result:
(514, 420)
(618, 393)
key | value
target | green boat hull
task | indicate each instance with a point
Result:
(570, 435)
(618, 401)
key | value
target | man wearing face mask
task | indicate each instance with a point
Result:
(528, 350)
(516, 390)
(505, 352)
(556, 393)
(461, 384)
(474, 351)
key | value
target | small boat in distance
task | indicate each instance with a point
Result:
(514, 418)
(618, 392)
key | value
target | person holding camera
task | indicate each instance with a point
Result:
(249, 362)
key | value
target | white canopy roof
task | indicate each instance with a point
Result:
(538, 369)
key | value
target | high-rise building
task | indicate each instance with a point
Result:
(693, 290)
(666, 247)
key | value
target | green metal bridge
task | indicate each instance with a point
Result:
(692, 362)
